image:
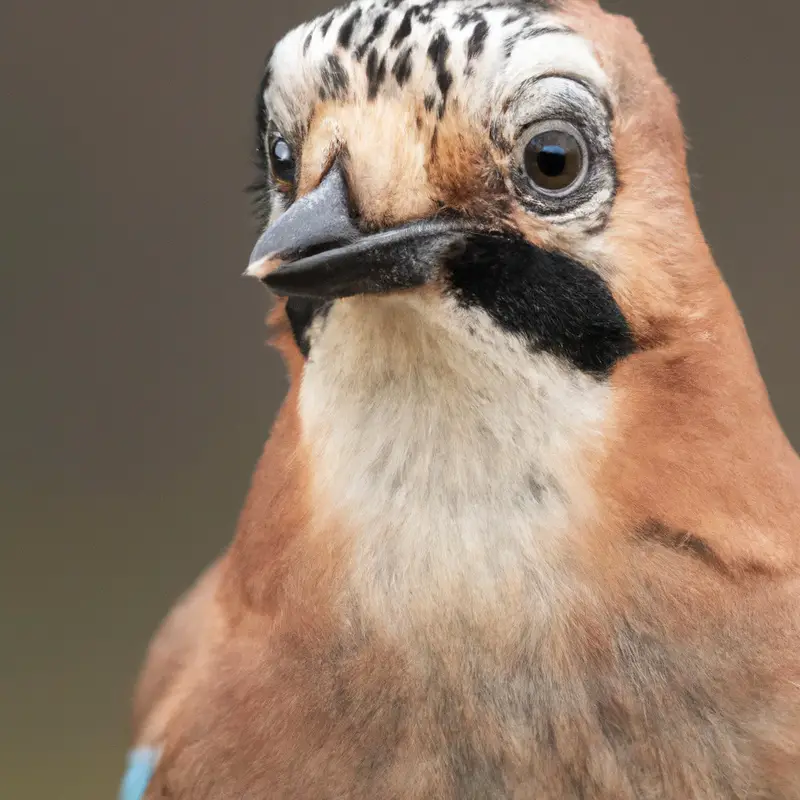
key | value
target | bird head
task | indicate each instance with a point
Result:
(517, 166)
(480, 216)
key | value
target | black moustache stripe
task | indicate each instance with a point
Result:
(556, 303)
(301, 312)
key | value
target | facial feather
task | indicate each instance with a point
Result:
(429, 102)
(461, 471)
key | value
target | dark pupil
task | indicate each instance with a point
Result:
(282, 160)
(553, 160)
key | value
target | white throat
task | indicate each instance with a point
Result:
(451, 453)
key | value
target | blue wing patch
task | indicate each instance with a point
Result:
(141, 765)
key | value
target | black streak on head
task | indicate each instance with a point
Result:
(477, 39)
(377, 30)
(556, 303)
(437, 53)
(404, 30)
(376, 73)
(301, 312)
(334, 79)
(346, 31)
(402, 67)
(423, 14)
(307, 42)
(326, 24)
(465, 18)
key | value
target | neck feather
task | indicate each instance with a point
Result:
(452, 457)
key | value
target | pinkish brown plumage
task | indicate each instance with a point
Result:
(526, 525)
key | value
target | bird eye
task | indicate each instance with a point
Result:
(555, 158)
(282, 160)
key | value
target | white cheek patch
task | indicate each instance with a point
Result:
(449, 452)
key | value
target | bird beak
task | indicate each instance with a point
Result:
(321, 253)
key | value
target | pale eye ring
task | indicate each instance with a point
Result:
(554, 157)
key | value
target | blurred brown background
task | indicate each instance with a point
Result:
(136, 387)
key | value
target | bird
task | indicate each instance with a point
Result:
(526, 524)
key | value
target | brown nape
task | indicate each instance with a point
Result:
(696, 443)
